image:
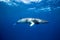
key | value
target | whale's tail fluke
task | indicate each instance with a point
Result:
(14, 24)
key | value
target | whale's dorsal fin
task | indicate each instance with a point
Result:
(32, 23)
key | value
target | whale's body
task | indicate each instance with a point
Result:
(32, 21)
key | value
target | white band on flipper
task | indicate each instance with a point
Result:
(32, 23)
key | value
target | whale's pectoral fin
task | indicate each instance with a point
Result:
(32, 23)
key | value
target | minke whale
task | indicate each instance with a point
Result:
(31, 21)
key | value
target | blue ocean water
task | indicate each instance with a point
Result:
(48, 31)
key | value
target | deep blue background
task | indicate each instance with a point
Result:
(10, 14)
